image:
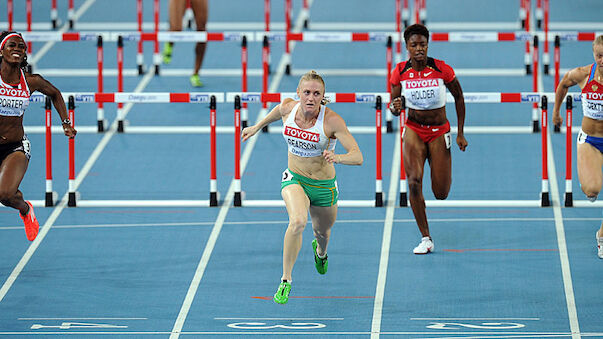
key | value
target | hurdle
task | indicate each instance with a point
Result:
(139, 55)
(490, 97)
(377, 98)
(84, 98)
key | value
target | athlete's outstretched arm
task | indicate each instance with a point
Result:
(37, 83)
(276, 113)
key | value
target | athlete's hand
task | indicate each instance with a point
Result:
(330, 156)
(248, 132)
(396, 106)
(462, 142)
(69, 131)
(557, 119)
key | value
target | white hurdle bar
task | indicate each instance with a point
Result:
(377, 98)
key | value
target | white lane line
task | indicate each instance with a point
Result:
(63, 202)
(386, 241)
(47, 46)
(534, 319)
(278, 318)
(572, 313)
(215, 232)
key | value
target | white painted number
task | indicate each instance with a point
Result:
(483, 326)
(70, 325)
(264, 326)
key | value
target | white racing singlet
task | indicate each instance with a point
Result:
(14, 99)
(423, 94)
(310, 142)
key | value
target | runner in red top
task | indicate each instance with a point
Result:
(423, 82)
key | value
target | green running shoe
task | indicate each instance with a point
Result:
(196, 81)
(321, 264)
(167, 53)
(282, 294)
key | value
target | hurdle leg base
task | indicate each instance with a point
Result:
(544, 200)
(244, 123)
(306, 24)
(100, 126)
(528, 69)
(49, 201)
(213, 199)
(535, 126)
(71, 202)
(557, 129)
(523, 23)
(390, 126)
(379, 199)
(140, 69)
(156, 69)
(539, 23)
(237, 199)
(120, 126)
(288, 69)
(403, 199)
(71, 24)
(54, 24)
(546, 69)
(569, 199)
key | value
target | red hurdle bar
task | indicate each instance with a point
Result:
(213, 182)
(71, 14)
(545, 56)
(100, 112)
(120, 82)
(28, 9)
(388, 61)
(139, 55)
(569, 199)
(9, 13)
(403, 190)
(49, 199)
(244, 112)
(535, 124)
(237, 136)
(156, 56)
(188, 15)
(378, 137)
(544, 201)
(54, 14)
(71, 201)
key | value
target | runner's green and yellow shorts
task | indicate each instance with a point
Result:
(320, 192)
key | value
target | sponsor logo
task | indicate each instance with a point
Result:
(13, 92)
(427, 74)
(365, 98)
(595, 87)
(199, 98)
(84, 98)
(594, 96)
(301, 134)
(410, 84)
(251, 98)
(435, 129)
(530, 98)
(37, 98)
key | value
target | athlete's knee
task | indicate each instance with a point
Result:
(415, 186)
(440, 195)
(591, 192)
(297, 223)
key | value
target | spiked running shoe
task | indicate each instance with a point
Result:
(196, 81)
(31, 223)
(424, 247)
(321, 264)
(282, 294)
(167, 53)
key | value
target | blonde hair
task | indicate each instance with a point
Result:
(313, 76)
(598, 41)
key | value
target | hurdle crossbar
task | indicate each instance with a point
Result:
(377, 98)
(211, 98)
(489, 98)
